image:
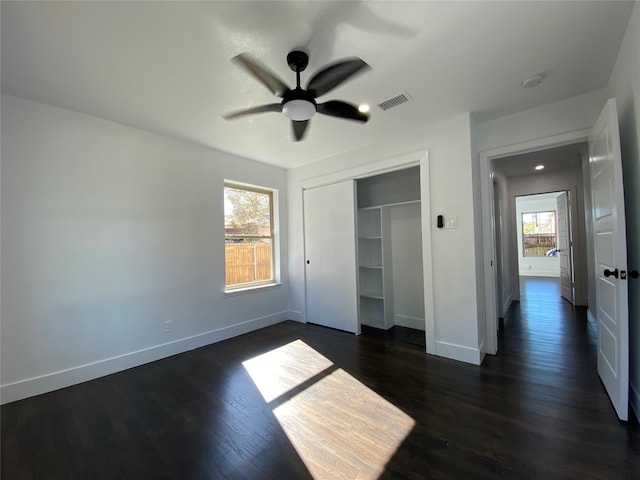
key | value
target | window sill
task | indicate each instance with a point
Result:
(251, 289)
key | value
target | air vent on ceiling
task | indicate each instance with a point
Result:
(394, 102)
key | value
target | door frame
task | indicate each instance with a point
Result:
(416, 158)
(489, 220)
(498, 210)
(573, 229)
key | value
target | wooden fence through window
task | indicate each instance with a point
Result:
(537, 244)
(247, 262)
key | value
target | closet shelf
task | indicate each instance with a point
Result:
(376, 295)
(374, 207)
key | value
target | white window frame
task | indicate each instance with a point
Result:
(274, 236)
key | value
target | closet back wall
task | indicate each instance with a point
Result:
(406, 259)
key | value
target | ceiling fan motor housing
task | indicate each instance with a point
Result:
(297, 60)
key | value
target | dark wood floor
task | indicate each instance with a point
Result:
(339, 406)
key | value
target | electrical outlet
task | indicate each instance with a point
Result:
(168, 326)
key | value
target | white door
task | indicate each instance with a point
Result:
(564, 247)
(330, 251)
(605, 166)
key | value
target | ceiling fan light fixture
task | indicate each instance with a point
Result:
(299, 110)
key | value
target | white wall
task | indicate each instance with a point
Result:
(406, 262)
(452, 254)
(535, 266)
(108, 231)
(624, 85)
(570, 115)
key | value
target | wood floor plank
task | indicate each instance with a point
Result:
(536, 410)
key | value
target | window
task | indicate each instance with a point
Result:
(249, 236)
(539, 234)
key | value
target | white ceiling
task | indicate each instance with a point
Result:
(164, 66)
(558, 158)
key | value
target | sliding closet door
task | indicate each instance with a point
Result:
(330, 251)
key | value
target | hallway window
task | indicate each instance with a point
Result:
(539, 234)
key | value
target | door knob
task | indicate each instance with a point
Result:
(634, 274)
(611, 273)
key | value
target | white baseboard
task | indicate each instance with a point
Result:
(459, 352)
(592, 322)
(533, 273)
(64, 378)
(409, 322)
(295, 315)
(634, 399)
(483, 351)
(507, 304)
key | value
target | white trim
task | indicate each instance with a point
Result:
(416, 323)
(232, 292)
(412, 159)
(296, 316)
(488, 217)
(366, 170)
(427, 253)
(507, 304)
(634, 399)
(11, 392)
(459, 352)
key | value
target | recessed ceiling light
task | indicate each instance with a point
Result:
(539, 167)
(364, 108)
(533, 81)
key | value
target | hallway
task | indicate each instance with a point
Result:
(546, 330)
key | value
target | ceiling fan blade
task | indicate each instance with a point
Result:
(299, 129)
(332, 76)
(345, 110)
(260, 72)
(272, 107)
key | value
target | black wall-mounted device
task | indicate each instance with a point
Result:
(440, 221)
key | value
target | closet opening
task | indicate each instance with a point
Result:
(390, 275)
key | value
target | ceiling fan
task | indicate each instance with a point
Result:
(299, 104)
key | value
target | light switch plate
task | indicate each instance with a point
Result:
(451, 222)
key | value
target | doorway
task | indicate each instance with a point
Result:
(544, 238)
(513, 168)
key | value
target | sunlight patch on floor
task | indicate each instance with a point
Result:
(340, 427)
(284, 368)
